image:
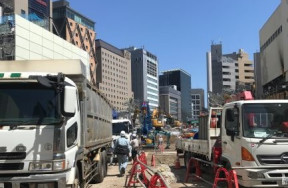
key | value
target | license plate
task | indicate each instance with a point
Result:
(284, 181)
(1, 185)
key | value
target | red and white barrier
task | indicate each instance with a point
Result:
(138, 174)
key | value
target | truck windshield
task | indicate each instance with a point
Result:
(28, 104)
(120, 126)
(268, 120)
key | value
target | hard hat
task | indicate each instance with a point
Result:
(134, 135)
(122, 133)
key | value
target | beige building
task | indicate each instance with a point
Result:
(229, 71)
(245, 68)
(273, 64)
(114, 74)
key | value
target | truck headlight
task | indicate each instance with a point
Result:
(59, 165)
(47, 166)
(255, 175)
(40, 166)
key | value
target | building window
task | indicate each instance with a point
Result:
(23, 12)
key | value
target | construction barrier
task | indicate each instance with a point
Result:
(153, 160)
(177, 163)
(230, 176)
(138, 174)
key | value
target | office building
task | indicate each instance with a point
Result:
(77, 29)
(257, 75)
(228, 71)
(144, 66)
(33, 42)
(197, 102)
(114, 74)
(182, 80)
(274, 54)
(170, 101)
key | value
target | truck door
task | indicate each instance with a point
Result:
(231, 142)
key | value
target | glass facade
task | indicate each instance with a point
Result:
(39, 12)
(173, 103)
(62, 12)
(183, 82)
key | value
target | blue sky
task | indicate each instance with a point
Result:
(179, 32)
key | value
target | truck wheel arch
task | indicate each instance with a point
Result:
(225, 162)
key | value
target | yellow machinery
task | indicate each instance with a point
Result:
(172, 121)
(156, 119)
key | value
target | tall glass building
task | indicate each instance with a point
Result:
(144, 70)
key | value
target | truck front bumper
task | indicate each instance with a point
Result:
(263, 177)
(57, 180)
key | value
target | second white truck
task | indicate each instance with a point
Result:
(252, 138)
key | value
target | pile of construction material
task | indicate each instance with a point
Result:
(166, 173)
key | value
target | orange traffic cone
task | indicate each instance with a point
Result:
(177, 163)
(153, 162)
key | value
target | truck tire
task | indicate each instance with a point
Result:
(104, 157)
(100, 171)
(187, 156)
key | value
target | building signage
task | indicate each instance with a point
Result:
(42, 2)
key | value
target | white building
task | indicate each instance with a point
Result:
(144, 69)
(33, 42)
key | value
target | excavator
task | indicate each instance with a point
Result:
(170, 120)
(157, 120)
(152, 125)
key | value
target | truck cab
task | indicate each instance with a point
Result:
(119, 125)
(254, 138)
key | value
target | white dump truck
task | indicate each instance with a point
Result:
(252, 138)
(55, 127)
(118, 125)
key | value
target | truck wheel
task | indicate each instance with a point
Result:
(187, 157)
(105, 164)
(100, 172)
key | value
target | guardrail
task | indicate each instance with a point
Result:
(230, 175)
(138, 174)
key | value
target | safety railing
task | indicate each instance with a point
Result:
(230, 176)
(139, 172)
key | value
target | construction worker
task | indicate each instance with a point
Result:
(135, 146)
(122, 149)
(160, 143)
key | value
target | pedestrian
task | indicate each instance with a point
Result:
(160, 143)
(111, 150)
(135, 146)
(122, 149)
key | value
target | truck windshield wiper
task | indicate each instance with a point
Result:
(267, 137)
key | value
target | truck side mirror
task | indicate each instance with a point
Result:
(70, 100)
(230, 115)
(232, 128)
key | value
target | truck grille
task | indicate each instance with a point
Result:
(12, 155)
(273, 159)
(11, 166)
